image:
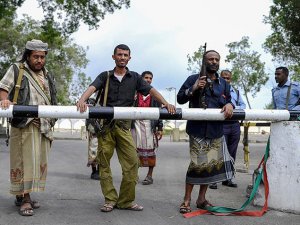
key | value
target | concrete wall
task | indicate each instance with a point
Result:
(283, 167)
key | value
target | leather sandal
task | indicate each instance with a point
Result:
(34, 204)
(184, 208)
(203, 205)
(26, 211)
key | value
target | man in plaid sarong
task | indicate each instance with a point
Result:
(210, 160)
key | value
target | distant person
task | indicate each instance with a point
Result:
(147, 133)
(122, 86)
(210, 160)
(92, 143)
(30, 138)
(232, 130)
(286, 95)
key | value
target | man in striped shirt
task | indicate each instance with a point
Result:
(30, 138)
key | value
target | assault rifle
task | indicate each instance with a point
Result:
(202, 102)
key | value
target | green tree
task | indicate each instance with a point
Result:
(67, 15)
(284, 42)
(65, 59)
(195, 60)
(284, 17)
(61, 19)
(269, 105)
(8, 8)
(79, 85)
(248, 72)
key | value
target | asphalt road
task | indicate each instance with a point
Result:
(71, 197)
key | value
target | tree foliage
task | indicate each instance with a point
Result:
(64, 59)
(79, 85)
(66, 15)
(284, 42)
(269, 105)
(195, 60)
(8, 8)
(284, 18)
(248, 72)
(61, 18)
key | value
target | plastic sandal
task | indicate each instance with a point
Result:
(107, 207)
(148, 180)
(135, 207)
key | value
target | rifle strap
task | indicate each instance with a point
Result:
(288, 97)
(238, 98)
(105, 94)
(106, 89)
(38, 88)
(18, 84)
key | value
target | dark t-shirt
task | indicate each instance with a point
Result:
(121, 93)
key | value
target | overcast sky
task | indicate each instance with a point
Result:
(161, 33)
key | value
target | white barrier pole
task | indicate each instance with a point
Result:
(132, 113)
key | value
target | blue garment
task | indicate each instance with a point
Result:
(217, 97)
(237, 99)
(232, 130)
(279, 95)
(232, 134)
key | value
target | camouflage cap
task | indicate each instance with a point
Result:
(36, 45)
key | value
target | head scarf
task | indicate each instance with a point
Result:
(36, 45)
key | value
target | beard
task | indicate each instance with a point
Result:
(121, 63)
(212, 68)
(36, 67)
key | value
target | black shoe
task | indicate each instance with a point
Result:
(229, 183)
(95, 175)
(213, 186)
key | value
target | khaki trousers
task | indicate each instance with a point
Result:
(119, 138)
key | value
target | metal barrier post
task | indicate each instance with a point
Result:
(246, 146)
